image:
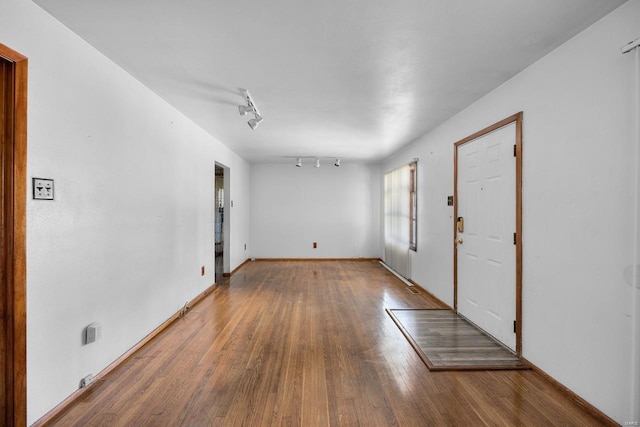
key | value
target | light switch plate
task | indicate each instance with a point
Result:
(42, 189)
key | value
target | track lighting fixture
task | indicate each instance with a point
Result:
(250, 108)
(316, 160)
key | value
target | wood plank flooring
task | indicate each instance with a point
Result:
(308, 343)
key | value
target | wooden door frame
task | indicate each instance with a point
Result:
(14, 189)
(517, 119)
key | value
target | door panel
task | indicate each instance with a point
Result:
(486, 257)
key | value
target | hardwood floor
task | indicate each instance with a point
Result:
(308, 343)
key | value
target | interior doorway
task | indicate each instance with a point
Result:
(13, 166)
(219, 236)
(487, 230)
(222, 221)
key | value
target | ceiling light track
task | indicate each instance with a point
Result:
(250, 108)
(316, 160)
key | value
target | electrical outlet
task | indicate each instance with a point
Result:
(87, 380)
(42, 189)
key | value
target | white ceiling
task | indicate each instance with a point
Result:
(356, 79)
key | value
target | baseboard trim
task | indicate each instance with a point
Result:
(595, 412)
(235, 270)
(50, 416)
(411, 282)
(314, 259)
(438, 300)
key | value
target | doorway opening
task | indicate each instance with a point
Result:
(218, 224)
(13, 167)
(221, 222)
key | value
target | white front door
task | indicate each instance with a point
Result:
(486, 253)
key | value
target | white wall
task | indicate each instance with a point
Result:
(237, 214)
(133, 217)
(339, 208)
(578, 211)
(132, 220)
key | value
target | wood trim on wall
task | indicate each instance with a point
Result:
(595, 412)
(438, 300)
(235, 270)
(52, 414)
(313, 259)
(517, 119)
(15, 193)
(519, 233)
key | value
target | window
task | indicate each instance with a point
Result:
(400, 217)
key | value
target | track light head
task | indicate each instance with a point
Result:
(250, 108)
(337, 163)
(244, 109)
(253, 123)
(299, 162)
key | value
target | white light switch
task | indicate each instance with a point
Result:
(93, 332)
(42, 189)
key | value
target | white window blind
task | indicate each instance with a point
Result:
(397, 219)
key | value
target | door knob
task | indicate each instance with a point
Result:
(458, 241)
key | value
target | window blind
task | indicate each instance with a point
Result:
(397, 219)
